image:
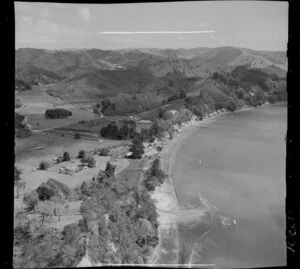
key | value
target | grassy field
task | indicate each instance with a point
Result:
(54, 145)
(36, 101)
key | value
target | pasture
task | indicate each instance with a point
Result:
(36, 101)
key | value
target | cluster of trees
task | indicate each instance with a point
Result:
(120, 218)
(22, 85)
(57, 113)
(104, 105)
(150, 134)
(154, 176)
(38, 246)
(122, 130)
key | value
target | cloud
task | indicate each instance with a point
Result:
(45, 12)
(43, 31)
(157, 32)
(85, 14)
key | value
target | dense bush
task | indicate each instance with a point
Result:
(131, 220)
(119, 130)
(57, 113)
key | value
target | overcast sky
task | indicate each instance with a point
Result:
(251, 24)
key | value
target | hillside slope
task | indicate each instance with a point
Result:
(156, 74)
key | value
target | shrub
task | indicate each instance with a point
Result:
(66, 157)
(44, 165)
(77, 136)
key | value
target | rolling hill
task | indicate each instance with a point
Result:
(92, 74)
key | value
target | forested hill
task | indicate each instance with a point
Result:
(139, 79)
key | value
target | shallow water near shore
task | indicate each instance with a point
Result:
(237, 164)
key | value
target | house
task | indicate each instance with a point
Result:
(143, 124)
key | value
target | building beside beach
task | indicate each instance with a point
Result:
(143, 124)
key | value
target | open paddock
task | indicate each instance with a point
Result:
(54, 145)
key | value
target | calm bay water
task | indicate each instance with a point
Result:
(238, 166)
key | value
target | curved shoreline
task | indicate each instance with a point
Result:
(166, 202)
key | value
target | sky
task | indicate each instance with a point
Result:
(260, 25)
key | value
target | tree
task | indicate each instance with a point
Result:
(45, 192)
(81, 154)
(110, 169)
(155, 170)
(89, 160)
(44, 165)
(31, 199)
(66, 157)
(137, 148)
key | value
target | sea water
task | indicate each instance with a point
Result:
(237, 166)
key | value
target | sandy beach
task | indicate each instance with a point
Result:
(168, 209)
